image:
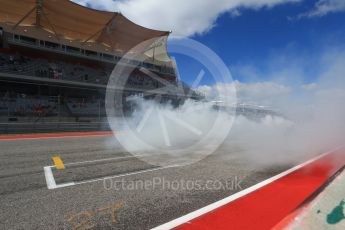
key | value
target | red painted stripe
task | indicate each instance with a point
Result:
(54, 135)
(267, 206)
(283, 224)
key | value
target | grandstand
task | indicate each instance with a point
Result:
(56, 58)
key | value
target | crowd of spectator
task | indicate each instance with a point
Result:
(13, 63)
(24, 105)
(86, 106)
(20, 104)
(38, 67)
(140, 80)
(16, 63)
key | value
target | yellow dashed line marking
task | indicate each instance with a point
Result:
(58, 163)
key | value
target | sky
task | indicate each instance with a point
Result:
(271, 47)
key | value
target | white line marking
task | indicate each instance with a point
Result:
(105, 159)
(184, 219)
(52, 185)
(127, 174)
(65, 185)
(49, 177)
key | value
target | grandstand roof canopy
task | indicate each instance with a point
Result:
(64, 21)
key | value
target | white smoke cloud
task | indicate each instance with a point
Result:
(184, 18)
(260, 93)
(163, 135)
(313, 118)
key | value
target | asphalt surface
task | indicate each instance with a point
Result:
(128, 200)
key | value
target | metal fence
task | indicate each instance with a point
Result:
(19, 127)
